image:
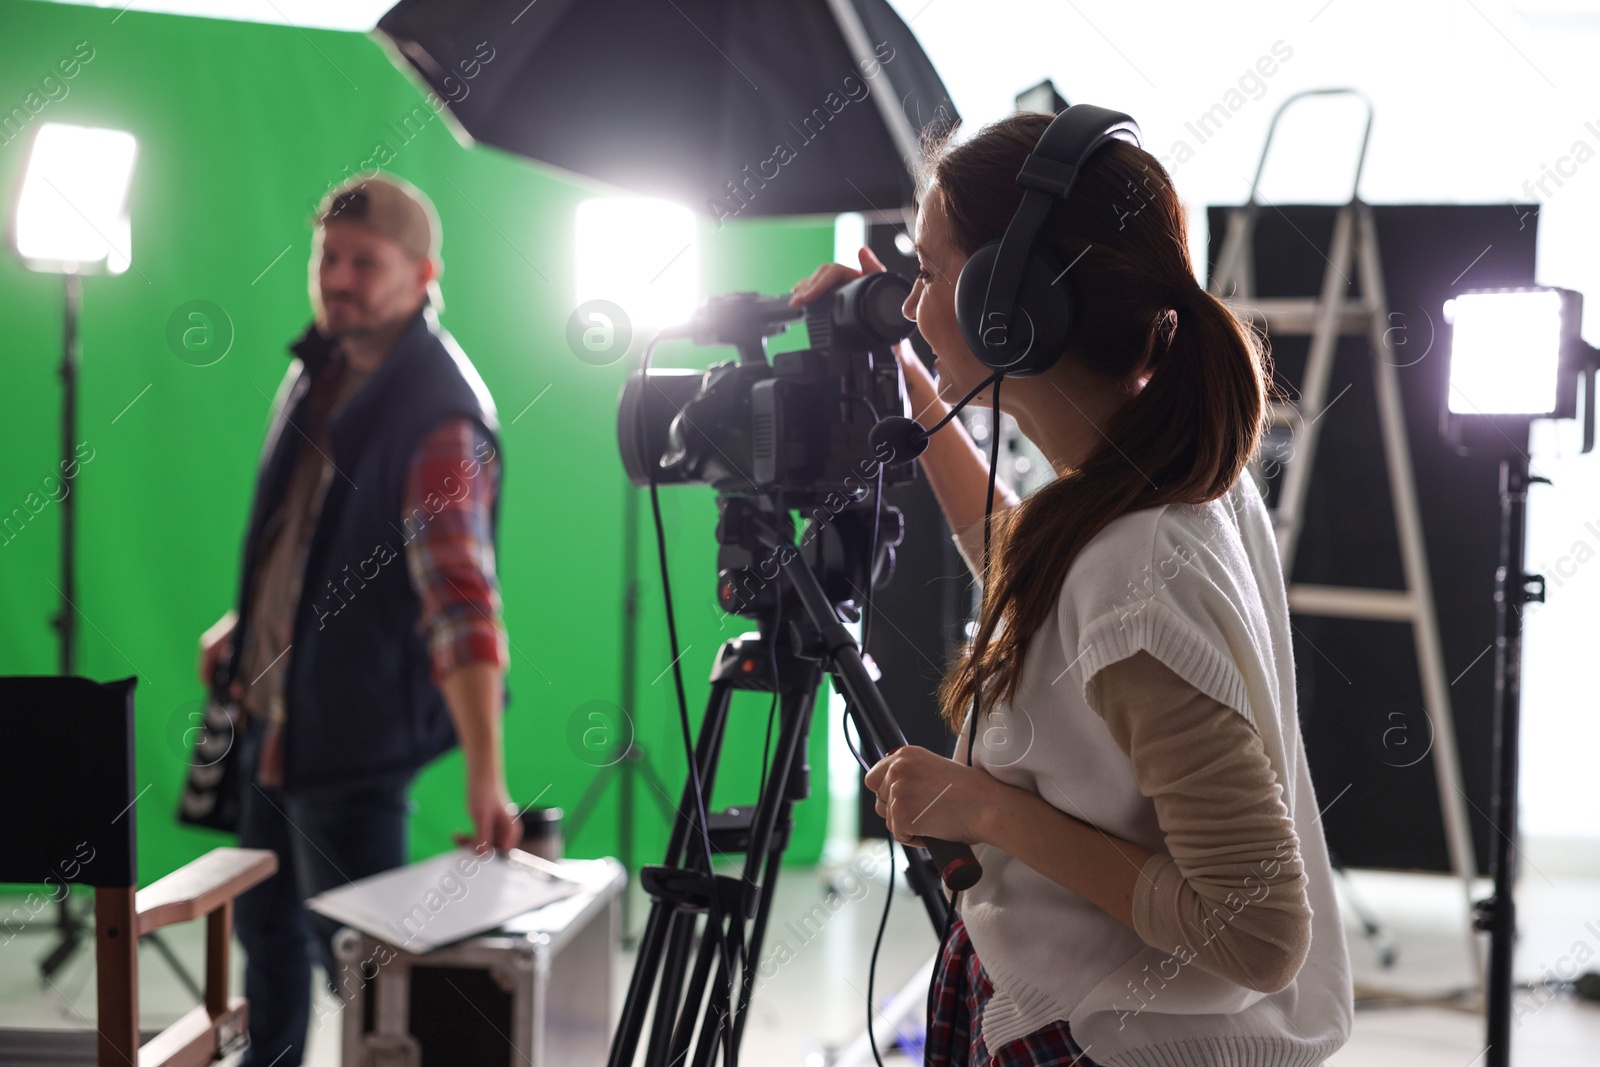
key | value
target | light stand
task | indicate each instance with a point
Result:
(1513, 588)
(1544, 322)
(626, 758)
(71, 219)
(70, 928)
(66, 620)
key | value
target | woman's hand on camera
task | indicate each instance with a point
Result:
(920, 387)
(830, 276)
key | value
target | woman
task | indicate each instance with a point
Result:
(1156, 887)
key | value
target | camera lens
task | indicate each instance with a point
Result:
(869, 309)
(652, 402)
(883, 301)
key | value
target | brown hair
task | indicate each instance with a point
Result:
(1184, 438)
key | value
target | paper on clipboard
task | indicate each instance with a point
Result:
(455, 895)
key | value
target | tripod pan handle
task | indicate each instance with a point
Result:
(958, 867)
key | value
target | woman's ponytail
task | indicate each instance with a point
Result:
(1186, 436)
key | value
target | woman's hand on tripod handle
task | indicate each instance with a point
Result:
(923, 794)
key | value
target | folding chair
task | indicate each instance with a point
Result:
(67, 790)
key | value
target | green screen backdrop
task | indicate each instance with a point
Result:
(241, 127)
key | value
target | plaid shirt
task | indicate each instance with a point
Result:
(450, 489)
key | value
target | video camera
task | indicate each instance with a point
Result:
(797, 425)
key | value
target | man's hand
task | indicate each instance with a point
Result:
(921, 793)
(494, 817)
(216, 644)
(472, 692)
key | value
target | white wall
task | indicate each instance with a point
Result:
(1473, 99)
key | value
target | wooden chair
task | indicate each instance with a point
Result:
(67, 790)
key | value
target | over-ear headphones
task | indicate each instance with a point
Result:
(1013, 301)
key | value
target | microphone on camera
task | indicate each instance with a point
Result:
(728, 318)
(906, 439)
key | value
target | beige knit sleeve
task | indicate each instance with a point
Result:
(1230, 893)
(969, 543)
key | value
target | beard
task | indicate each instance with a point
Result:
(343, 318)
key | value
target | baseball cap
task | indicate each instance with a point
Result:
(394, 208)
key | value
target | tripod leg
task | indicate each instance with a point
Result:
(689, 1014)
(658, 788)
(1371, 927)
(669, 936)
(669, 1000)
(708, 746)
(758, 931)
(70, 928)
(165, 951)
(645, 965)
(786, 782)
(661, 930)
(591, 796)
(716, 1020)
(795, 789)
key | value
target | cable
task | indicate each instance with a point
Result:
(988, 516)
(977, 686)
(844, 726)
(866, 631)
(872, 550)
(872, 547)
(872, 968)
(964, 401)
(766, 749)
(781, 515)
(938, 961)
(724, 1024)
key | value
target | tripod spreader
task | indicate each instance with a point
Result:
(958, 867)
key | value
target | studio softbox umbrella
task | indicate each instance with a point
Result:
(736, 108)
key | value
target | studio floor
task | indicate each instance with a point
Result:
(813, 1004)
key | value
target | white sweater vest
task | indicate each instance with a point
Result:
(1201, 589)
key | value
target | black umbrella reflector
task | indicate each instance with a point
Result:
(735, 109)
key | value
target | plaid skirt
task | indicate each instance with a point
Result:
(960, 990)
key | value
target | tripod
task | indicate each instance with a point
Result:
(790, 663)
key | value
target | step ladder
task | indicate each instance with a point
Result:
(1324, 318)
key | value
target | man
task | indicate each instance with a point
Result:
(367, 637)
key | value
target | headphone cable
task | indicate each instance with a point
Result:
(972, 718)
(988, 517)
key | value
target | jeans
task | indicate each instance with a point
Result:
(324, 837)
